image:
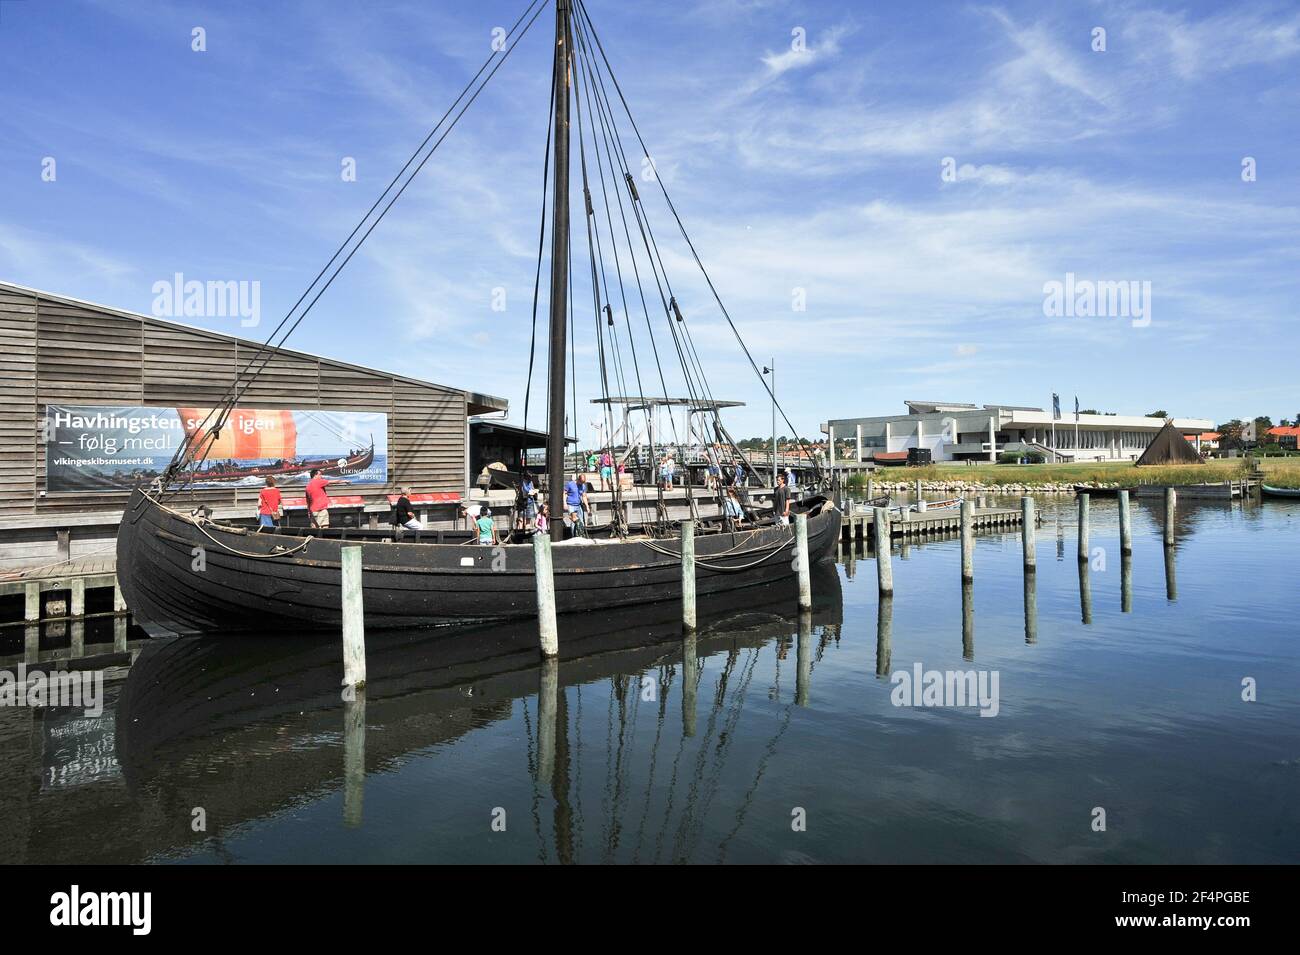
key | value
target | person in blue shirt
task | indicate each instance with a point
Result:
(487, 531)
(529, 490)
(575, 500)
(732, 504)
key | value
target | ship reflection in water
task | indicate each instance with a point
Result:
(768, 736)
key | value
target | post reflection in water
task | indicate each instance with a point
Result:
(690, 682)
(1126, 583)
(968, 620)
(1085, 593)
(803, 670)
(354, 758)
(562, 775)
(548, 689)
(1031, 607)
(1171, 580)
(884, 634)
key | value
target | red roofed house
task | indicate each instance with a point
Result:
(1286, 437)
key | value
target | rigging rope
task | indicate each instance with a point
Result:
(541, 247)
(595, 36)
(701, 395)
(191, 450)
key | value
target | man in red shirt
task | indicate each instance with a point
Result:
(318, 500)
(268, 504)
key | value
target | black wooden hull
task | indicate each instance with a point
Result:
(186, 577)
(1102, 491)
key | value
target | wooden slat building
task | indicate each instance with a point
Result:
(58, 350)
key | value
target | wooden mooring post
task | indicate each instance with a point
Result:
(543, 570)
(688, 576)
(884, 572)
(354, 622)
(1171, 504)
(800, 562)
(1125, 525)
(1083, 527)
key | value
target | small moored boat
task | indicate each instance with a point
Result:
(1270, 491)
(1094, 491)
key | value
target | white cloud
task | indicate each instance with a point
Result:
(47, 262)
(1223, 41)
(803, 56)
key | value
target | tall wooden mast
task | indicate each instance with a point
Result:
(559, 275)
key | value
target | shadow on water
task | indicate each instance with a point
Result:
(250, 727)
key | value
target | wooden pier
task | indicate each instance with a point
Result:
(1220, 491)
(40, 587)
(907, 524)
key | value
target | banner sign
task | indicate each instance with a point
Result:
(114, 448)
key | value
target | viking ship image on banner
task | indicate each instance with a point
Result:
(99, 448)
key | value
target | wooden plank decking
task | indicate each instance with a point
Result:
(75, 576)
(857, 524)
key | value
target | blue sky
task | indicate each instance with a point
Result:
(817, 168)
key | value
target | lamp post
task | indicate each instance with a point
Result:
(771, 370)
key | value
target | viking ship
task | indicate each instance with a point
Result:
(182, 572)
(330, 467)
(260, 435)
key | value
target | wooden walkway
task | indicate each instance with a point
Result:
(74, 576)
(858, 522)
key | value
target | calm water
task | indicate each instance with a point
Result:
(1138, 712)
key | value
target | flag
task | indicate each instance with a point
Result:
(1056, 406)
(1076, 409)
